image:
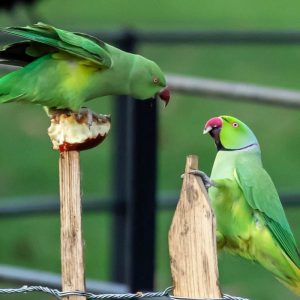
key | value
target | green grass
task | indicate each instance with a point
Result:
(29, 167)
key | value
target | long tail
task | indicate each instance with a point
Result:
(7, 91)
(292, 285)
(291, 279)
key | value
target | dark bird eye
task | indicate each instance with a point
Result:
(155, 80)
(235, 125)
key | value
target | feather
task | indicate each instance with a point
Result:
(79, 45)
(261, 195)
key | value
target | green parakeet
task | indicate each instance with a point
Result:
(62, 69)
(250, 218)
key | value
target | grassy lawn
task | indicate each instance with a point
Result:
(28, 166)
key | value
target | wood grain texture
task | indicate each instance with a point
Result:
(71, 232)
(192, 242)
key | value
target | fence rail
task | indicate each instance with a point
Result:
(52, 280)
(225, 37)
(40, 205)
(233, 90)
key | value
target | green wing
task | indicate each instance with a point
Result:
(78, 44)
(261, 195)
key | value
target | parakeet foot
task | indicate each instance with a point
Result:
(206, 180)
(54, 113)
(85, 111)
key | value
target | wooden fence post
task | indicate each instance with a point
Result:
(71, 133)
(72, 261)
(192, 243)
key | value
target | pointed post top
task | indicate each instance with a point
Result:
(191, 163)
(192, 241)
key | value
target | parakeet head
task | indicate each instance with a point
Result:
(147, 80)
(230, 133)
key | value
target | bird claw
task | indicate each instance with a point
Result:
(55, 114)
(205, 178)
(85, 111)
(83, 114)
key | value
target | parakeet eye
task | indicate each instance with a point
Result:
(235, 125)
(155, 80)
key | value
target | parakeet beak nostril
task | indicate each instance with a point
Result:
(164, 95)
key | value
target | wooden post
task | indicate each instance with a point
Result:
(192, 243)
(71, 234)
(70, 133)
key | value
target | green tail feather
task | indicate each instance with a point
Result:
(7, 92)
(7, 98)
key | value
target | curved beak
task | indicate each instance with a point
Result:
(212, 123)
(164, 95)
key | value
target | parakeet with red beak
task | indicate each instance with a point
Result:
(63, 70)
(250, 218)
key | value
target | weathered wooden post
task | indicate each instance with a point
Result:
(72, 260)
(192, 243)
(71, 133)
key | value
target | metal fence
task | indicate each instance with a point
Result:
(135, 152)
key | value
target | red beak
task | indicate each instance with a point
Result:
(212, 123)
(164, 95)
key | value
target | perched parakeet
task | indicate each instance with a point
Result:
(250, 218)
(62, 69)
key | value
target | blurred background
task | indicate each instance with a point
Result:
(29, 167)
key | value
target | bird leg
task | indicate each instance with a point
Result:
(85, 111)
(54, 113)
(220, 240)
(205, 178)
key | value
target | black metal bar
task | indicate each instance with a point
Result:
(142, 195)
(35, 206)
(290, 200)
(222, 37)
(50, 205)
(226, 37)
(121, 168)
(135, 179)
(119, 190)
